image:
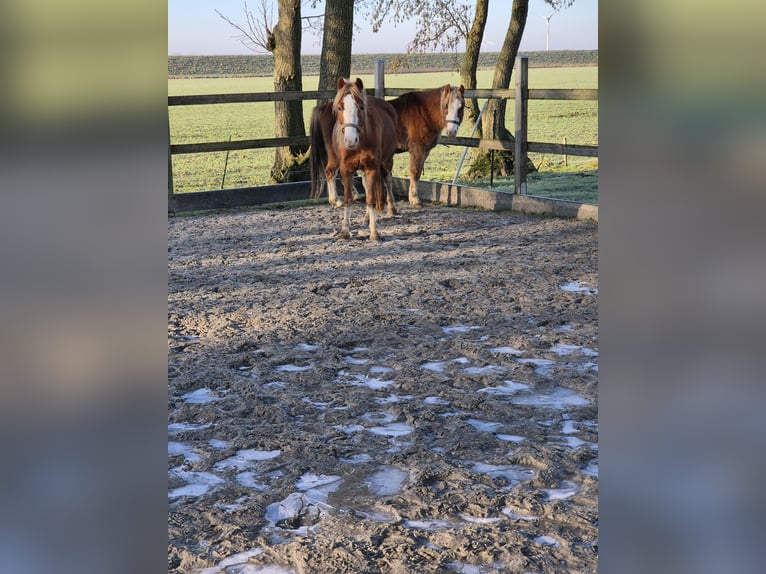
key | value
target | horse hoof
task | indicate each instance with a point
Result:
(376, 237)
(344, 234)
(416, 203)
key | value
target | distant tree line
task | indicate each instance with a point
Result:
(260, 65)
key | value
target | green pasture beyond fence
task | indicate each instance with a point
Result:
(521, 94)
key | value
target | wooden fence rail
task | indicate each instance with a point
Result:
(521, 146)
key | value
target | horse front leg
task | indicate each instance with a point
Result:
(347, 180)
(417, 159)
(369, 179)
(332, 191)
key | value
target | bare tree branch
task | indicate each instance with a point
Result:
(258, 34)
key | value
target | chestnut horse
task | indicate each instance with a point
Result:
(422, 117)
(353, 132)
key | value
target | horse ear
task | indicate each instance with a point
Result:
(341, 82)
(461, 89)
(359, 83)
(446, 89)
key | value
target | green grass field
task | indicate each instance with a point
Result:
(549, 121)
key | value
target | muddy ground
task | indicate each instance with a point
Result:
(423, 404)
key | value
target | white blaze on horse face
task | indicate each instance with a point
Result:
(350, 121)
(453, 119)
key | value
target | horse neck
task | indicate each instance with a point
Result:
(434, 106)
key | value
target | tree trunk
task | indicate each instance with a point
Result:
(335, 61)
(471, 60)
(288, 116)
(493, 121)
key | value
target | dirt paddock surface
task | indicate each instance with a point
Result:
(427, 403)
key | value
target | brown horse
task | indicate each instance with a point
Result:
(422, 117)
(353, 132)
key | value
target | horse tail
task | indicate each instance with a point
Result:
(318, 155)
(378, 188)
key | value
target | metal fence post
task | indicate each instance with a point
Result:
(520, 148)
(380, 71)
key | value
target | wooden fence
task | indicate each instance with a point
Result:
(520, 145)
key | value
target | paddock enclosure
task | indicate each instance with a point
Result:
(427, 403)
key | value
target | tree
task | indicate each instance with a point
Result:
(471, 59)
(284, 42)
(335, 60)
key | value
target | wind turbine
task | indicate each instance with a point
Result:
(548, 28)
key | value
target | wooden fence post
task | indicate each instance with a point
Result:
(170, 172)
(380, 73)
(521, 72)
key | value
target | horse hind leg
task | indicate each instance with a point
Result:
(390, 201)
(417, 159)
(374, 235)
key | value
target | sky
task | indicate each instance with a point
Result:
(195, 29)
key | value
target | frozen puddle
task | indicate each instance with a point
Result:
(219, 444)
(366, 381)
(200, 397)
(292, 368)
(479, 520)
(238, 564)
(458, 329)
(198, 483)
(542, 366)
(579, 287)
(515, 516)
(430, 524)
(305, 347)
(354, 361)
(546, 541)
(357, 458)
(489, 369)
(387, 481)
(393, 399)
(175, 428)
(513, 474)
(591, 469)
(559, 398)
(486, 426)
(185, 450)
(562, 350)
(506, 351)
(507, 388)
(435, 401)
(244, 459)
(438, 366)
(310, 504)
(569, 489)
(511, 438)
(392, 430)
(248, 480)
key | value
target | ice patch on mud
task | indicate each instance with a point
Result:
(542, 366)
(515, 516)
(198, 483)
(459, 329)
(511, 438)
(546, 541)
(349, 429)
(591, 469)
(393, 399)
(579, 287)
(431, 524)
(200, 397)
(438, 366)
(392, 430)
(506, 351)
(507, 388)
(366, 381)
(357, 458)
(292, 368)
(559, 398)
(562, 350)
(486, 426)
(479, 520)
(513, 474)
(487, 370)
(463, 568)
(435, 401)
(219, 444)
(175, 428)
(293, 512)
(248, 480)
(244, 459)
(305, 347)
(354, 361)
(387, 481)
(568, 489)
(185, 450)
